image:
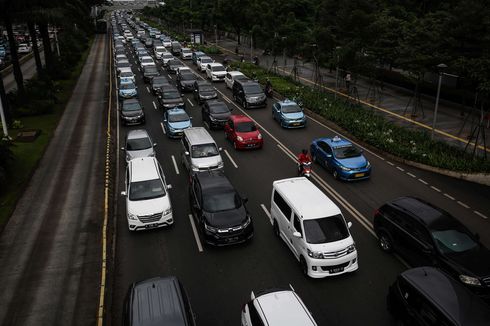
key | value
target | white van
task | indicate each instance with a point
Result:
(199, 150)
(313, 228)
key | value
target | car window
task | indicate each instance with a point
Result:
(147, 189)
(221, 108)
(346, 152)
(178, 117)
(254, 316)
(204, 150)
(221, 200)
(246, 127)
(324, 146)
(292, 108)
(282, 205)
(453, 240)
(137, 144)
(297, 224)
(325, 229)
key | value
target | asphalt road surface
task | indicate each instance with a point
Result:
(50, 249)
(28, 70)
(219, 280)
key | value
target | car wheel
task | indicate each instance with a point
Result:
(313, 157)
(335, 174)
(385, 242)
(304, 266)
(235, 145)
(275, 229)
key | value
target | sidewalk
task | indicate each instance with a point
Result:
(391, 101)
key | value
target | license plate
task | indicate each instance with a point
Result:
(251, 145)
(296, 124)
(359, 175)
(150, 226)
(336, 270)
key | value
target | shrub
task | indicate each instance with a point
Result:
(6, 158)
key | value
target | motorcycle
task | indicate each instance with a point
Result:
(268, 91)
(304, 169)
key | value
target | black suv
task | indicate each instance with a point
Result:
(157, 83)
(132, 112)
(185, 81)
(157, 301)
(426, 235)
(428, 296)
(219, 210)
(249, 94)
(169, 97)
(204, 91)
(215, 113)
(149, 72)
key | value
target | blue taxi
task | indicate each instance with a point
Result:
(175, 121)
(341, 157)
(289, 114)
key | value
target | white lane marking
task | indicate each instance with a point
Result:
(480, 214)
(148, 90)
(392, 164)
(227, 99)
(463, 204)
(449, 196)
(163, 128)
(266, 212)
(196, 235)
(139, 69)
(436, 189)
(231, 160)
(175, 165)
(154, 105)
(399, 168)
(190, 102)
(423, 181)
(412, 175)
(169, 76)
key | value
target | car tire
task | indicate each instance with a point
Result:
(385, 242)
(275, 229)
(235, 145)
(313, 158)
(335, 174)
(304, 265)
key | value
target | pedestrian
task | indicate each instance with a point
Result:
(348, 79)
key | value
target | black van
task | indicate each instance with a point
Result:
(249, 94)
(157, 301)
(428, 296)
(175, 48)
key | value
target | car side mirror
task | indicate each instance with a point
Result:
(123, 193)
(186, 153)
(296, 234)
(154, 144)
(164, 120)
(190, 118)
(349, 224)
(329, 155)
(220, 149)
(122, 148)
(169, 186)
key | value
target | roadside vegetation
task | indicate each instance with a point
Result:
(37, 104)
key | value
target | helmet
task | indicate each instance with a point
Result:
(304, 151)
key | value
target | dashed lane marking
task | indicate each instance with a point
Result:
(436, 189)
(231, 159)
(390, 163)
(154, 105)
(148, 90)
(411, 174)
(196, 235)
(190, 102)
(400, 168)
(163, 128)
(449, 196)
(480, 214)
(463, 204)
(423, 181)
(175, 165)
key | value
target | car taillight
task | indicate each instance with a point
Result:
(376, 212)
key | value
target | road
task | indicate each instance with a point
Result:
(50, 248)
(28, 70)
(219, 280)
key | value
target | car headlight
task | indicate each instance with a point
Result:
(167, 211)
(469, 280)
(132, 216)
(351, 248)
(344, 168)
(210, 228)
(368, 165)
(315, 254)
(195, 168)
(247, 222)
(221, 164)
(259, 136)
(239, 138)
(212, 118)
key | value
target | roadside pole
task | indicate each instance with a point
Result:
(4, 122)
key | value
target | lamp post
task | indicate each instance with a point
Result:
(4, 122)
(216, 34)
(284, 50)
(440, 68)
(251, 46)
(337, 71)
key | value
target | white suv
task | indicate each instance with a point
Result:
(313, 228)
(215, 71)
(147, 199)
(276, 308)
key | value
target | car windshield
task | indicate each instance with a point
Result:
(171, 94)
(246, 127)
(160, 49)
(147, 60)
(204, 150)
(453, 239)
(131, 106)
(159, 81)
(151, 70)
(127, 74)
(206, 60)
(147, 189)
(167, 56)
(346, 152)
(252, 89)
(206, 88)
(219, 108)
(186, 51)
(127, 86)
(187, 77)
(221, 200)
(218, 68)
(178, 117)
(176, 63)
(138, 144)
(325, 229)
(124, 65)
(291, 108)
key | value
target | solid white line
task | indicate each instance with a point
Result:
(139, 69)
(231, 160)
(463, 204)
(266, 212)
(154, 105)
(423, 181)
(449, 196)
(392, 164)
(169, 76)
(412, 175)
(175, 165)
(196, 236)
(190, 102)
(227, 99)
(436, 189)
(148, 90)
(399, 168)
(480, 214)
(163, 128)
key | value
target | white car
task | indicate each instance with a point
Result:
(24, 48)
(138, 144)
(215, 71)
(202, 62)
(147, 199)
(167, 42)
(186, 54)
(121, 38)
(146, 61)
(159, 50)
(182, 69)
(121, 57)
(231, 76)
(276, 308)
(166, 57)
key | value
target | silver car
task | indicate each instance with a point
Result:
(138, 144)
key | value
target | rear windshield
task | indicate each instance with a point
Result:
(325, 229)
(171, 94)
(187, 77)
(206, 60)
(252, 89)
(126, 74)
(204, 150)
(291, 108)
(178, 117)
(218, 68)
(138, 144)
(147, 189)
(246, 127)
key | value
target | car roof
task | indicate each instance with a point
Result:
(137, 133)
(158, 301)
(240, 118)
(205, 57)
(301, 193)
(215, 64)
(200, 53)
(176, 110)
(335, 142)
(283, 308)
(143, 168)
(198, 135)
(203, 82)
(236, 73)
(287, 102)
(131, 100)
(210, 180)
(449, 295)
(126, 69)
(245, 81)
(423, 211)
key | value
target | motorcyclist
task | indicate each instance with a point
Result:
(268, 88)
(303, 158)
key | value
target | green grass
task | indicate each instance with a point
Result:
(27, 155)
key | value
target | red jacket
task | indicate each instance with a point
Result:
(303, 158)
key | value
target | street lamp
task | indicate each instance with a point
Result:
(337, 71)
(284, 50)
(4, 121)
(440, 68)
(216, 34)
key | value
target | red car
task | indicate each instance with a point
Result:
(243, 132)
